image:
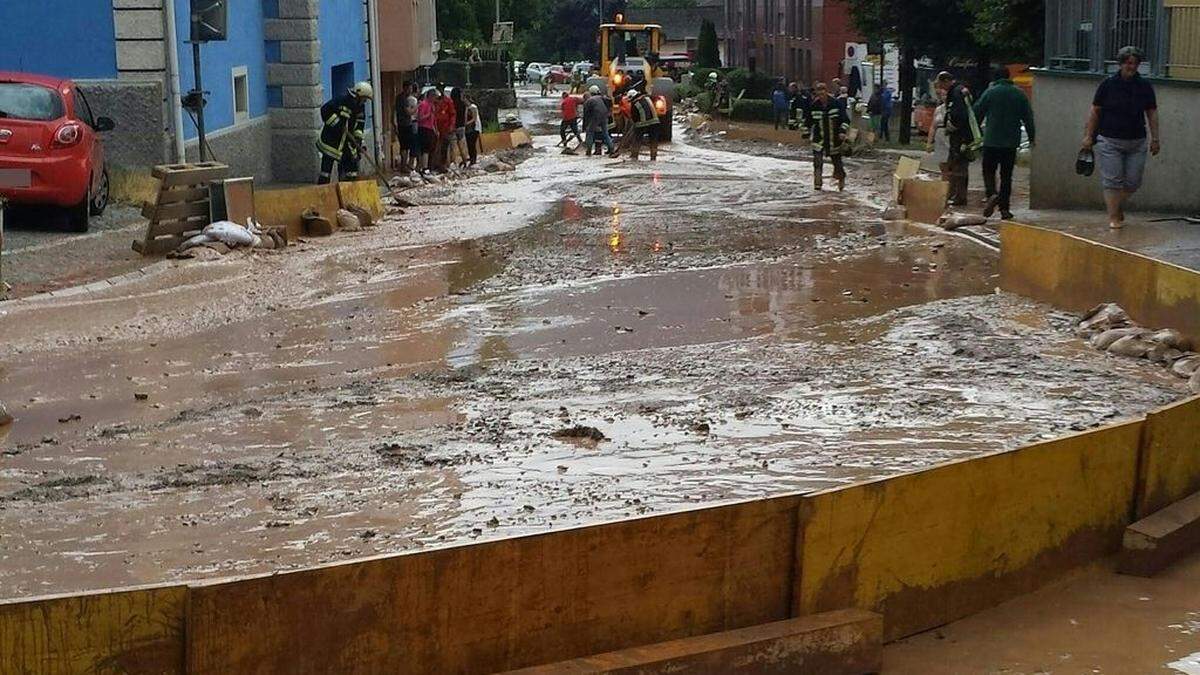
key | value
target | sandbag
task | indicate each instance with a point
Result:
(1101, 318)
(1131, 345)
(231, 234)
(348, 221)
(1104, 340)
(1186, 365)
(1171, 338)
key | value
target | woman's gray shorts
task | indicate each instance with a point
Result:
(1122, 162)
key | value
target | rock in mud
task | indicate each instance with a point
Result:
(1194, 382)
(581, 431)
(1132, 346)
(953, 221)
(5, 418)
(1186, 365)
(1102, 317)
(1107, 338)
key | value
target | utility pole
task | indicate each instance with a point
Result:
(197, 96)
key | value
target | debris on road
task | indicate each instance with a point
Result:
(1109, 328)
(581, 431)
(5, 418)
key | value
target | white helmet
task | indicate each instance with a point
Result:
(594, 91)
(363, 90)
(712, 76)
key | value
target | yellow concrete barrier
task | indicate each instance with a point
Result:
(128, 631)
(926, 548)
(1075, 274)
(506, 604)
(1170, 462)
(361, 193)
(282, 208)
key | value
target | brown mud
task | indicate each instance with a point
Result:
(724, 331)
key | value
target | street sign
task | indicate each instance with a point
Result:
(502, 33)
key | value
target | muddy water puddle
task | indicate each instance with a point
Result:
(738, 338)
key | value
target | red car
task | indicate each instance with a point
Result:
(50, 149)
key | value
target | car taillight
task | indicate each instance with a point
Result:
(660, 104)
(67, 135)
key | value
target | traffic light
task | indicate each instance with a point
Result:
(209, 20)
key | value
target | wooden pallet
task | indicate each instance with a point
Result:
(182, 207)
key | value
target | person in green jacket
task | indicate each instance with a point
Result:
(1003, 108)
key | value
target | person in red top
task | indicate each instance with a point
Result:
(447, 120)
(570, 119)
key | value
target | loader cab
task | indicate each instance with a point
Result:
(630, 48)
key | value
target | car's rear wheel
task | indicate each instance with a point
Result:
(78, 215)
(99, 200)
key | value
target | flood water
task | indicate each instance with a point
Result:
(729, 333)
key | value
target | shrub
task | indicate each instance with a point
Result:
(753, 110)
(756, 85)
(683, 91)
(708, 52)
(704, 101)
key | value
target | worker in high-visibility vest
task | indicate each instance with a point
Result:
(645, 125)
(829, 127)
(343, 124)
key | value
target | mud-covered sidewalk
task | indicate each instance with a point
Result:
(573, 341)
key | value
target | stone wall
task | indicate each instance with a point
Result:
(1061, 102)
(245, 147)
(141, 137)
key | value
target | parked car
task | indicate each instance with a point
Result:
(50, 148)
(584, 67)
(535, 71)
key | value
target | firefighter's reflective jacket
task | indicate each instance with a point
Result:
(343, 125)
(644, 114)
(827, 120)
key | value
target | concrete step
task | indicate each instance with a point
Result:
(842, 642)
(1155, 542)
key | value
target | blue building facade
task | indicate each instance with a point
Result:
(265, 83)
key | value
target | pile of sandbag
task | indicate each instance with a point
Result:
(225, 235)
(1108, 327)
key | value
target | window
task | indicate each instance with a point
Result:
(82, 110)
(30, 102)
(241, 95)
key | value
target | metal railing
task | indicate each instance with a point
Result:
(1084, 35)
(1183, 55)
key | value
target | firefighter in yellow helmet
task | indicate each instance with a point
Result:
(343, 125)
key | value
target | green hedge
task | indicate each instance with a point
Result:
(683, 91)
(753, 110)
(756, 85)
(704, 101)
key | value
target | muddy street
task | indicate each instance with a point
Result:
(574, 341)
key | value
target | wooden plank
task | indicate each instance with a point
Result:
(508, 603)
(361, 193)
(130, 631)
(173, 175)
(159, 245)
(1154, 543)
(163, 212)
(182, 194)
(842, 642)
(181, 226)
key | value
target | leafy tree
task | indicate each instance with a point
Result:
(708, 52)
(1010, 30)
(456, 20)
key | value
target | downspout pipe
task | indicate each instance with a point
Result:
(376, 83)
(174, 98)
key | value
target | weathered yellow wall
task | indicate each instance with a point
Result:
(134, 631)
(507, 604)
(1077, 274)
(1170, 468)
(282, 208)
(362, 193)
(929, 547)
